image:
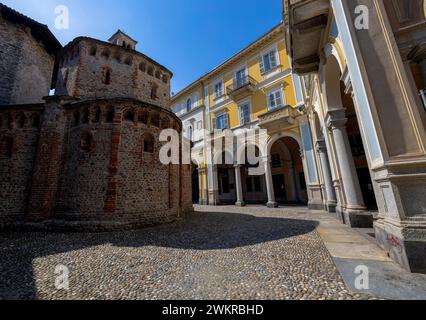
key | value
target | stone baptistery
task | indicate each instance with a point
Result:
(87, 157)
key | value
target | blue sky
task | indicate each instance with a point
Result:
(190, 37)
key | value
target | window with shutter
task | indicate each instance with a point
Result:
(275, 99)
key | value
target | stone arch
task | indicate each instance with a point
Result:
(128, 61)
(155, 120)
(93, 51)
(278, 136)
(142, 66)
(154, 91)
(143, 117)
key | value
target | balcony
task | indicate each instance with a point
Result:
(278, 118)
(306, 22)
(241, 88)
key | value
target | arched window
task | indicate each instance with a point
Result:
(151, 70)
(21, 120)
(110, 115)
(129, 115)
(85, 116)
(155, 120)
(158, 74)
(96, 115)
(165, 123)
(165, 79)
(106, 76)
(86, 142)
(7, 147)
(143, 117)
(142, 66)
(148, 143)
(154, 91)
(93, 51)
(76, 119)
(35, 120)
(188, 105)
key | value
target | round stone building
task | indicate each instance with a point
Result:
(94, 160)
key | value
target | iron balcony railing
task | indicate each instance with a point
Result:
(241, 83)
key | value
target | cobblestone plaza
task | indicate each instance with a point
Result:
(215, 253)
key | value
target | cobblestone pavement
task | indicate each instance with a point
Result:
(215, 253)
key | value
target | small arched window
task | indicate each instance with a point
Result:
(155, 120)
(76, 119)
(143, 117)
(7, 147)
(142, 66)
(35, 120)
(154, 91)
(158, 74)
(165, 79)
(93, 51)
(110, 115)
(96, 114)
(129, 115)
(165, 123)
(85, 116)
(86, 142)
(106, 76)
(21, 120)
(148, 143)
(151, 70)
(188, 105)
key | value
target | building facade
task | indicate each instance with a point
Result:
(256, 94)
(363, 68)
(87, 158)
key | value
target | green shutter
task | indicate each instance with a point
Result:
(262, 65)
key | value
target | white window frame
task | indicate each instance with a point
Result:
(262, 60)
(217, 116)
(273, 91)
(240, 104)
(215, 96)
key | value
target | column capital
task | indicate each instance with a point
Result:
(321, 146)
(336, 119)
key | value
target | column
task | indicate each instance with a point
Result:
(336, 122)
(200, 186)
(269, 184)
(239, 185)
(240, 199)
(292, 182)
(330, 194)
(206, 193)
(214, 190)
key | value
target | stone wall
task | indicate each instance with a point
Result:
(19, 132)
(94, 69)
(26, 68)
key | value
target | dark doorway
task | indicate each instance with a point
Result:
(195, 186)
(279, 188)
(367, 188)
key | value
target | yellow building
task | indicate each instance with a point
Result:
(254, 89)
